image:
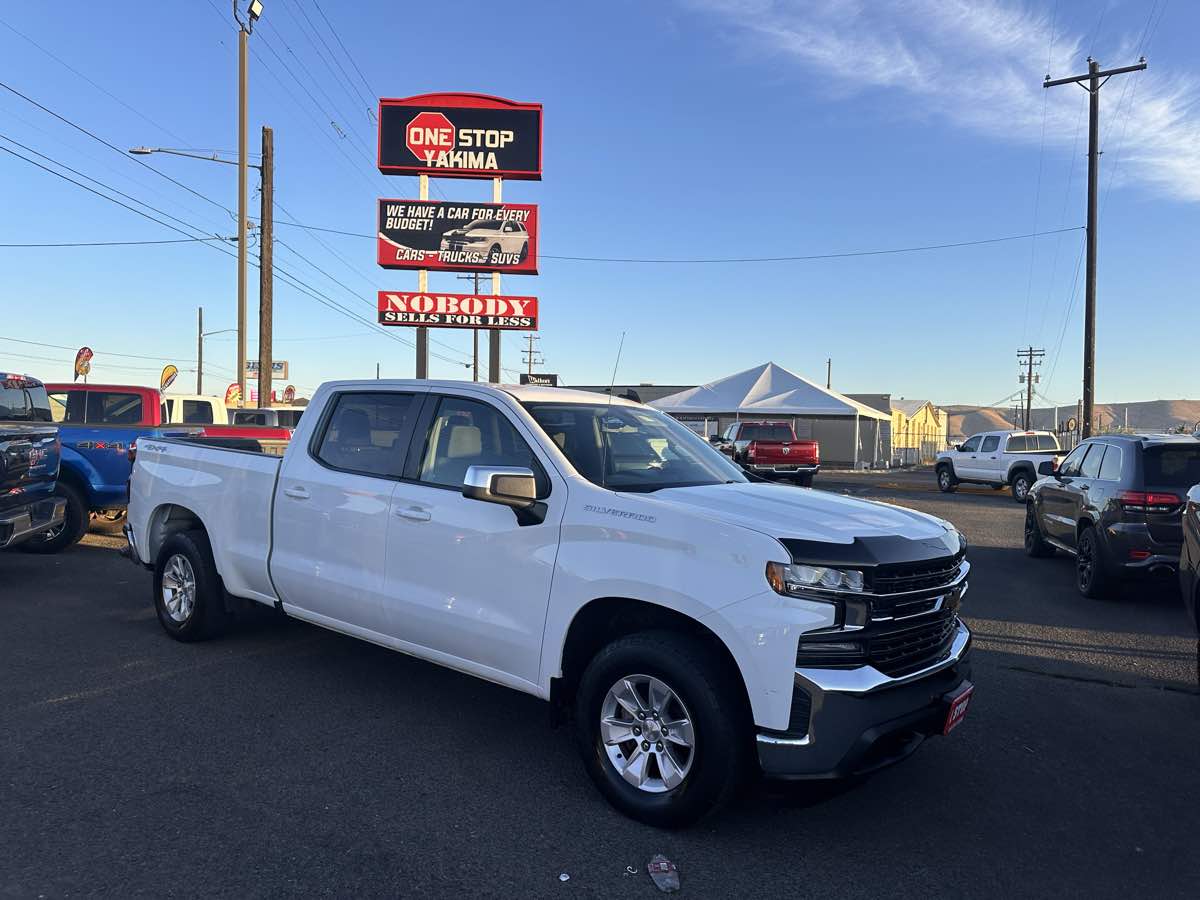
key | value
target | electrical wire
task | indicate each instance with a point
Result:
(124, 243)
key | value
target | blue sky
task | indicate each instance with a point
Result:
(676, 129)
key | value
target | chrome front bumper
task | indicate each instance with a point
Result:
(21, 524)
(861, 719)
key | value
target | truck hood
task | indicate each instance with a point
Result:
(782, 511)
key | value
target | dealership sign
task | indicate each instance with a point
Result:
(543, 379)
(460, 136)
(472, 237)
(279, 369)
(458, 311)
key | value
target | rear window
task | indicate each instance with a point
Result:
(23, 401)
(1018, 443)
(1045, 442)
(288, 418)
(1177, 467)
(766, 433)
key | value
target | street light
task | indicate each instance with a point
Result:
(208, 157)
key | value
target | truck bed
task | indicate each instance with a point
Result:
(231, 490)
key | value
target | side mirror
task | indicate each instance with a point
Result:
(958, 447)
(1193, 495)
(1047, 467)
(715, 439)
(507, 485)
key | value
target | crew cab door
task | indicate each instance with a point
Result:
(331, 517)
(966, 459)
(468, 578)
(990, 459)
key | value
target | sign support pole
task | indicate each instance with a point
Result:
(494, 334)
(423, 287)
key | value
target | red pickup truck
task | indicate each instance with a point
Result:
(772, 449)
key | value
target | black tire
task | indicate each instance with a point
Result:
(493, 252)
(1035, 541)
(1020, 483)
(76, 520)
(947, 483)
(524, 251)
(716, 707)
(1090, 575)
(207, 617)
(804, 480)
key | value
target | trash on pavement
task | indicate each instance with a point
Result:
(663, 873)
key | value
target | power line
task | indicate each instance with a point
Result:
(123, 243)
(104, 352)
(746, 259)
(370, 93)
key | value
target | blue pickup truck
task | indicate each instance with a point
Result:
(29, 457)
(98, 425)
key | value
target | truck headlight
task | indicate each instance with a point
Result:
(795, 578)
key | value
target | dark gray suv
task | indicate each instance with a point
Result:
(1116, 505)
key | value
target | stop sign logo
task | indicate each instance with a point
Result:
(429, 135)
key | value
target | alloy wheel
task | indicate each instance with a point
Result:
(1021, 488)
(179, 588)
(647, 733)
(1085, 561)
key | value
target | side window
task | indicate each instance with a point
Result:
(367, 434)
(1091, 463)
(1018, 443)
(467, 433)
(990, 443)
(972, 445)
(1070, 465)
(1047, 442)
(731, 432)
(164, 415)
(197, 412)
(59, 409)
(1110, 469)
(112, 408)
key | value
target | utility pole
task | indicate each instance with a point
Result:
(1093, 76)
(200, 350)
(474, 332)
(531, 355)
(266, 265)
(1031, 358)
(422, 287)
(376, 371)
(494, 333)
(829, 373)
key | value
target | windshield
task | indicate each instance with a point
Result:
(630, 448)
(22, 400)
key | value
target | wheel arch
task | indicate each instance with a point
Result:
(168, 519)
(605, 619)
(1018, 468)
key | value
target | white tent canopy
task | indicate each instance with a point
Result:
(766, 390)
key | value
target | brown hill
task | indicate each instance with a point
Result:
(1147, 415)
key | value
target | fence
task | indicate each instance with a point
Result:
(915, 445)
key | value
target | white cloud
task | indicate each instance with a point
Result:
(979, 64)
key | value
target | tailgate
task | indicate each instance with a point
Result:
(1170, 469)
(794, 453)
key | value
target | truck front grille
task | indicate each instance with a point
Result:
(900, 651)
(923, 576)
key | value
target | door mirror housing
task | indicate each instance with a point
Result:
(1048, 467)
(715, 439)
(958, 447)
(507, 485)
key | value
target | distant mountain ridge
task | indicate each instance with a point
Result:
(1146, 415)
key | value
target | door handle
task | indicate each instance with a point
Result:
(415, 513)
(299, 492)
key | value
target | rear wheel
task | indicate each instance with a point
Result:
(1035, 542)
(76, 518)
(1021, 482)
(661, 728)
(805, 480)
(947, 483)
(188, 595)
(1090, 576)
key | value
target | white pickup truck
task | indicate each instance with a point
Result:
(592, 552)
(997, 458)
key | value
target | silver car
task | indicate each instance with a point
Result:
(489, 236)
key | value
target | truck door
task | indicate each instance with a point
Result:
(465, 577)
(966, 459)
(990, 460)
(331, 520)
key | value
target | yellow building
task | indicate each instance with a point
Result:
(919, 430)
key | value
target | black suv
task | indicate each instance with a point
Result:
(1115, 504)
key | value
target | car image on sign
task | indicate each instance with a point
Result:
(503, 242)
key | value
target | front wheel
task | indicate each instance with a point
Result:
(662, 729)
(1021, 483)
(947, 483)
(76, 519)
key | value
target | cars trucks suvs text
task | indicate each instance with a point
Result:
(592, 552)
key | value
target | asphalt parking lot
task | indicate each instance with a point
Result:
(284, 759)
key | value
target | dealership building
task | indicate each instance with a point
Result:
(851, 433)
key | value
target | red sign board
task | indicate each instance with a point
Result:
(464, 237)
(460, 136)
(458, 310)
